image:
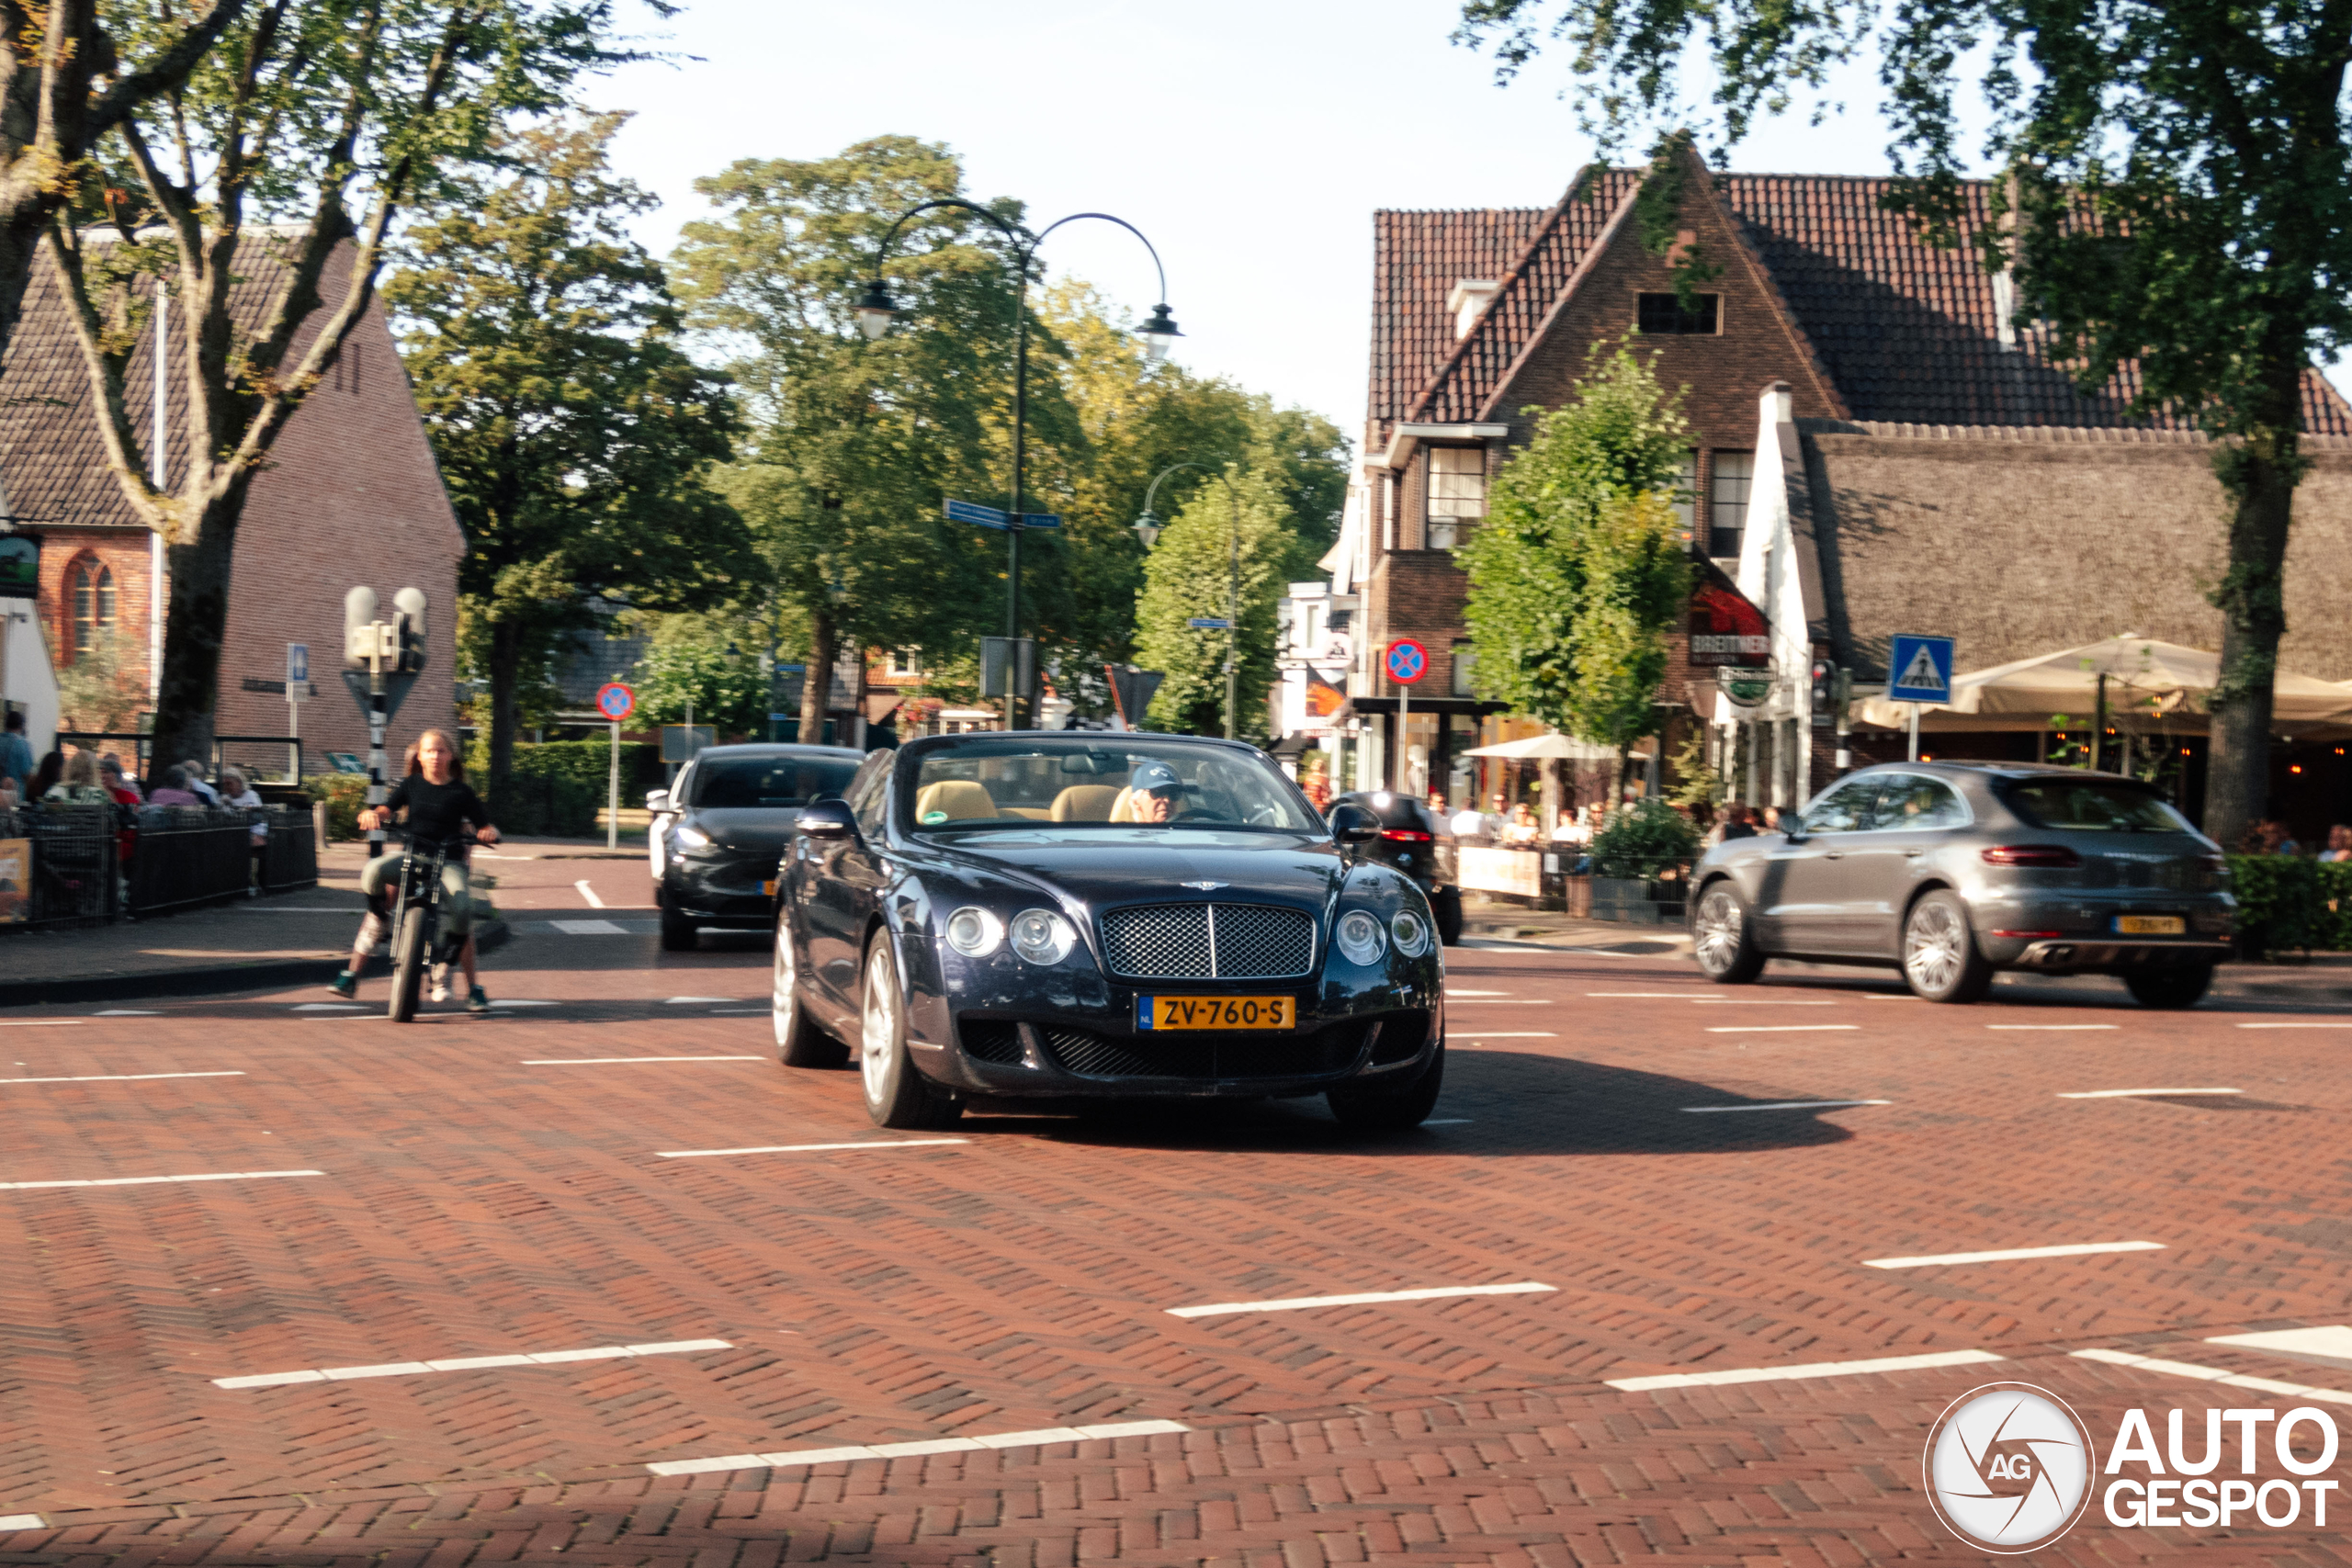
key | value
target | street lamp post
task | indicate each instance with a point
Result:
(1148, 529)
(876, 310)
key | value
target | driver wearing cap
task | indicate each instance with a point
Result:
(1158, 793)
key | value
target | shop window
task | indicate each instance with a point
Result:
(93, 606)
(1466, 665)
(1735, 473)
(1662, 315)
(1457, 495)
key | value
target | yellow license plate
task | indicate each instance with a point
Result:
(767, 890)
(1216, 1012)
(2151, 925)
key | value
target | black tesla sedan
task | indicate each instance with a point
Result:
(1417, 841)
(1099, 916)
(719, 831)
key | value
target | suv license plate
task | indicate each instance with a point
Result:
(1216, 1012)
(2151, 925)
(767, 890)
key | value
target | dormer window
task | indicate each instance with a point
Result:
(1468, 299)
(1662, 315)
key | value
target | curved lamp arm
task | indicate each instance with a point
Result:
(876, 310)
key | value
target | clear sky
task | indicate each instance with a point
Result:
(1249, 139)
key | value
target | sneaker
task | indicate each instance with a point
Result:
(476, 1001)
(440, 983)
(345, 984)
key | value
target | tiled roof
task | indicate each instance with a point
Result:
(50, 457)
(1417, 259)
(1908, 332)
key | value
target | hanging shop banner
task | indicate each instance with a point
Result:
(1746, 688)
(1726, 628)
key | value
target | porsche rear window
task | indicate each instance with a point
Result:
(1106, 781)
(742, 783)
(2088, 806)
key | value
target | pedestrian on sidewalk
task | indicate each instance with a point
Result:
(108, 762)
(192, 772)
(45, 777)
(16, 752)
(174, 790)
(77, 782)
(238, 795)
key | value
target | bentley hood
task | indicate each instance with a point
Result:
(1102, 868)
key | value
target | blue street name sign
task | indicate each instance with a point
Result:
(973, 512)
(1210, 623)
(1041, 520)
(1919, 669)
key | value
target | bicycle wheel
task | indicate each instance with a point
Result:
(408, 963)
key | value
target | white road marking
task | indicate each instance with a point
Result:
(1522, 1034)
(2295, 1026)
(300, 908)
(1777, 1027)
(329, 1007)
(156, 1180)
(2052, 1028)
(2214, 1374)
(1782, 1105)
(521, 1004)
(40, 1022)
(2333, 1341)
(686, 1001)
(128, 1012)
(2129, 1093)
(2010, 1254)
(607, 1061)
(1653, 996)
(1497, 1002)
(907, 1450)
(589, 893)
(470, 1363)
(1883, 997)
(123, 1078)
(1814, 1370)
(589, 928)
(1362, 1298)
(804, 1148)
(1452, 992)
(20, 1522)
(1753, 1002)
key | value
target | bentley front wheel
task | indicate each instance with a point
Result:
(897, 1096)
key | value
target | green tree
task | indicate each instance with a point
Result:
(706, 663)
(1580, 570)
(1189, 574)
(574, 432)
(299, 141)
(2178, 198)
(855, 444)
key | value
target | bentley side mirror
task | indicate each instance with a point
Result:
(827, 820)
(1351, 824)
(657, 800)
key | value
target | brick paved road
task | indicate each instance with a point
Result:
(471, 1205)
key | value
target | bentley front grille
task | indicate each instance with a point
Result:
(1209, 941)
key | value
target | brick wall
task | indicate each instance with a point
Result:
(123, 552)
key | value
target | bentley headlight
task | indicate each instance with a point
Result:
(1358, 937)
(975, 932)
(693, 838)
(1410, 933)
(1043, 937)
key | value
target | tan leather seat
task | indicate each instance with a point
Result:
(1086, 803)
(1123, 808)
(955, 800)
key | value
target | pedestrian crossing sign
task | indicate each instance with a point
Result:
(1919, 669)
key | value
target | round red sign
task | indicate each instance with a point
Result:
(615, 701)
(1406, 661)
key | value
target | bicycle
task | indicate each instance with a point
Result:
(416, 921)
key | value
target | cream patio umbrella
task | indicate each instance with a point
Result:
(2143, 676)
(1538, 746)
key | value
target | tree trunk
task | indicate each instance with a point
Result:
(817, 686)
(187, 692)
(2258, 474)
(505, 660)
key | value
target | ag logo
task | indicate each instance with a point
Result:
(2008, 1468)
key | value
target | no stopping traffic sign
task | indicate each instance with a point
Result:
(1406, 661)
(615, 701)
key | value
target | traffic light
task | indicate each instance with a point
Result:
(1824, 692)
(409, 616)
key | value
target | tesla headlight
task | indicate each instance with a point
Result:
(1409, 933)
(1358, 935)
(973, 932)
(1043, 937)
(693, 838)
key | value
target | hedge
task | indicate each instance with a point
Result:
(560, 785)
(2286, 904)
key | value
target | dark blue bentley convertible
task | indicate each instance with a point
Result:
(1102, 915)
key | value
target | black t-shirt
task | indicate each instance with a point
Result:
(436, 811)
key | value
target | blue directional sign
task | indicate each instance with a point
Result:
(973, 512)
(1041, 520)
(1919, 669)
(1210, 623)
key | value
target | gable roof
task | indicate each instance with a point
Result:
(1418, 257)
(1906, 333)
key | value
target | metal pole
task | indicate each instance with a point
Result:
(1396, 767)
(2099, 725)
(1233, 622)
(1913, 755)
(376, 724)
(1020, 456)
(613, 795)
(294, 734)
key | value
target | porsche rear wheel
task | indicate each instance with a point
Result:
(1392, 1108)
(798, 1041)
(897, 1096)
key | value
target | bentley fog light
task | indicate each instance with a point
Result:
(975, 933)
(1041, 937)
(1410, 932)
(1358, 937)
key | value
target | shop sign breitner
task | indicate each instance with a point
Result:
(2010, 1467)
(1731, 639)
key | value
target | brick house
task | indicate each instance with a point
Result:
(350, 495)
(1875, 450)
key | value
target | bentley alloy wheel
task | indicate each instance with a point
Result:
(895, 1095)
(798, 1041)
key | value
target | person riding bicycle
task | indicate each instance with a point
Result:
(440, 804)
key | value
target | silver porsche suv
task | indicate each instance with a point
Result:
(1954, 871)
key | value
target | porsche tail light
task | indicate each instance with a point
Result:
(2045, 857)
